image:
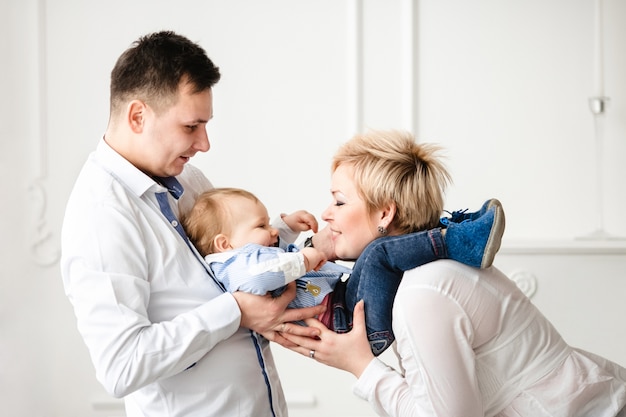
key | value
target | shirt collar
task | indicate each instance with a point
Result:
(132, 177)
(173, 186)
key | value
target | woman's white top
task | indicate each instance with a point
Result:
(470, 343)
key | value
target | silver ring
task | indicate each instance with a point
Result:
(312, 354)
(282, 328)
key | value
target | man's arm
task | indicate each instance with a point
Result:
(270, 316)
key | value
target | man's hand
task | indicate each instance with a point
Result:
(269, 316)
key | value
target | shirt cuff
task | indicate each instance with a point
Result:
(221, 315)
(368, 380)
(285, 233)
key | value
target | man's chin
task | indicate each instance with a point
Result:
(175, 171)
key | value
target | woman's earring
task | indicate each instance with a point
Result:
(382, 231)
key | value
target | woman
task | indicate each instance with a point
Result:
(469, 342)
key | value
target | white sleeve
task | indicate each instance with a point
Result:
(434, 339)
(256, 269)
(285, 233)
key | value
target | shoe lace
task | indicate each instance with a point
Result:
(457, 216)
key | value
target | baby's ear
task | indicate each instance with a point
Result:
(221, 243)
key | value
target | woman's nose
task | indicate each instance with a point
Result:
(327, 214)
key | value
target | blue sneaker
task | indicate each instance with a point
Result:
(462, 215)
(475, 240)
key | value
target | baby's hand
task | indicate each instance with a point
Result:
(300, 221)
(313, 259)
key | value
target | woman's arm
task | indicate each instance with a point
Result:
(434, 344)
(330, 348)
(434, 341)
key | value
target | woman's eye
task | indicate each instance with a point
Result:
(339, 203)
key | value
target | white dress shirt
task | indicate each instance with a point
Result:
(472, 344)
(160, 331)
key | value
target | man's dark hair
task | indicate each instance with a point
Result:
(154, 66)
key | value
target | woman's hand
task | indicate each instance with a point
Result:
(323, 241)
(349, 351)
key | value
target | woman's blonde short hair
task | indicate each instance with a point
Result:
(389, 166)
(210, 216)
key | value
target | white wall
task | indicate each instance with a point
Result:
(503, 85)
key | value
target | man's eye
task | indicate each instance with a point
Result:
(192, 128)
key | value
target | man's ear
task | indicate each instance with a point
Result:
(221, 243)
(136, 115)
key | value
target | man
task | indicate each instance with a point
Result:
(160, 330)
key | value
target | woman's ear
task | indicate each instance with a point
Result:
(221, 243)
(388, 213)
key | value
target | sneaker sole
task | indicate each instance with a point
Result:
(495, 237)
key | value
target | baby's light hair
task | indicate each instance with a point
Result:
(210, 216)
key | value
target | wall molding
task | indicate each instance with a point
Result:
(356, 25)
(409, 26)
(563, 247)
(44, 249)
(526, 281)
(354, 65)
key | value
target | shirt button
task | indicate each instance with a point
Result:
(174, 223)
